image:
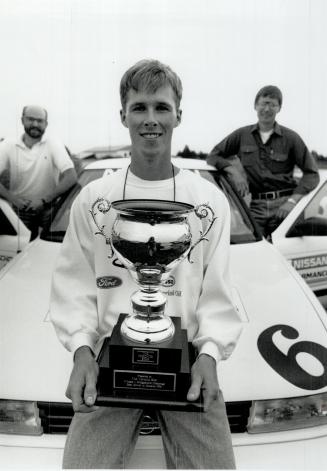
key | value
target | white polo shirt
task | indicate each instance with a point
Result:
(33, 173)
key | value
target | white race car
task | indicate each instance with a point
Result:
(302, 238)
(275, 382)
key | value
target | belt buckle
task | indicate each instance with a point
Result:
(270, 195)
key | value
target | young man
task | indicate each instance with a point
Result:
(83, 313)
(39, 168)
(268, 153)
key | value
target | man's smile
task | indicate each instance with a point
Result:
(267, 115)
(151, 135)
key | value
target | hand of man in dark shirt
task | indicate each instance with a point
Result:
(287, 207)
(284, 210)
(83, 379)
(238, 180)
(204, 376)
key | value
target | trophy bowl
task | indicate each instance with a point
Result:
(150, 238)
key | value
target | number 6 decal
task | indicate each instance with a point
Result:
(287, 365)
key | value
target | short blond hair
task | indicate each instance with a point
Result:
(149, 75)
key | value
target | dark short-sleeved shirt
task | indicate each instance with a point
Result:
(269, 166)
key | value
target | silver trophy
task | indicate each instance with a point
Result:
(150, 238)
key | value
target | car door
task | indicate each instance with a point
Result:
(302, 239)
(14, 235)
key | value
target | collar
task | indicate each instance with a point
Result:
(20, 143)
(277, 129)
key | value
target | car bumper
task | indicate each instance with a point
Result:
(297, 449)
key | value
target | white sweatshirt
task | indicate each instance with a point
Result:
(90, 290)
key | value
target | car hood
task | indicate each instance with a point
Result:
(282, 349)
(35, 366)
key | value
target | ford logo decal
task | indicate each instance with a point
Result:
(105, 282)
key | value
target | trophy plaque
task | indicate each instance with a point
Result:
(147, 360)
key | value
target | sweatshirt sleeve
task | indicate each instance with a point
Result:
(219, 323)
(73, 302)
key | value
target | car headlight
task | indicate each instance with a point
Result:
(275, 415)
(20, 417)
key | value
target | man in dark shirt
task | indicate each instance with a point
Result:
(268, 153)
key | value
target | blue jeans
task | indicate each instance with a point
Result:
(264, 212)
(106, 438)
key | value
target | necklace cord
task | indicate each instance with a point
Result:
(174, 182)
(124, 190)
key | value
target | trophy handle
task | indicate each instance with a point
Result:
(203, 211)
(102, 205)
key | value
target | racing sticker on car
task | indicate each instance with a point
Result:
(286, 365)
(313, 268)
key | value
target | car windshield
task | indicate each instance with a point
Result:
(242, 229)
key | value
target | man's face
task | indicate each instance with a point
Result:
(34, 122)
(151, 119)
(267, 109)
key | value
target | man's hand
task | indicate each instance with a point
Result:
(204, 376)
(83, 379)
(287, 207)
(35, 205)
(237, 179)
(20, 203)
(283, 210)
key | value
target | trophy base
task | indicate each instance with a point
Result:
(152, 403)
(151, 381)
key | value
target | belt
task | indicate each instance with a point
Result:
(271, 195)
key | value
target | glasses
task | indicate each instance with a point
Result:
(271, 106)
(30, 119)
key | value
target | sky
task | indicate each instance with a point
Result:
(69, 55)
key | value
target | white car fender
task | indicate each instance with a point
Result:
(10, 245)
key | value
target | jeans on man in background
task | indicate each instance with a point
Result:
(264, 212)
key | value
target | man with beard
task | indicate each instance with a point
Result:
(39, 168)
(268, 153)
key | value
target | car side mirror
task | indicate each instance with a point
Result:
(314, 226)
